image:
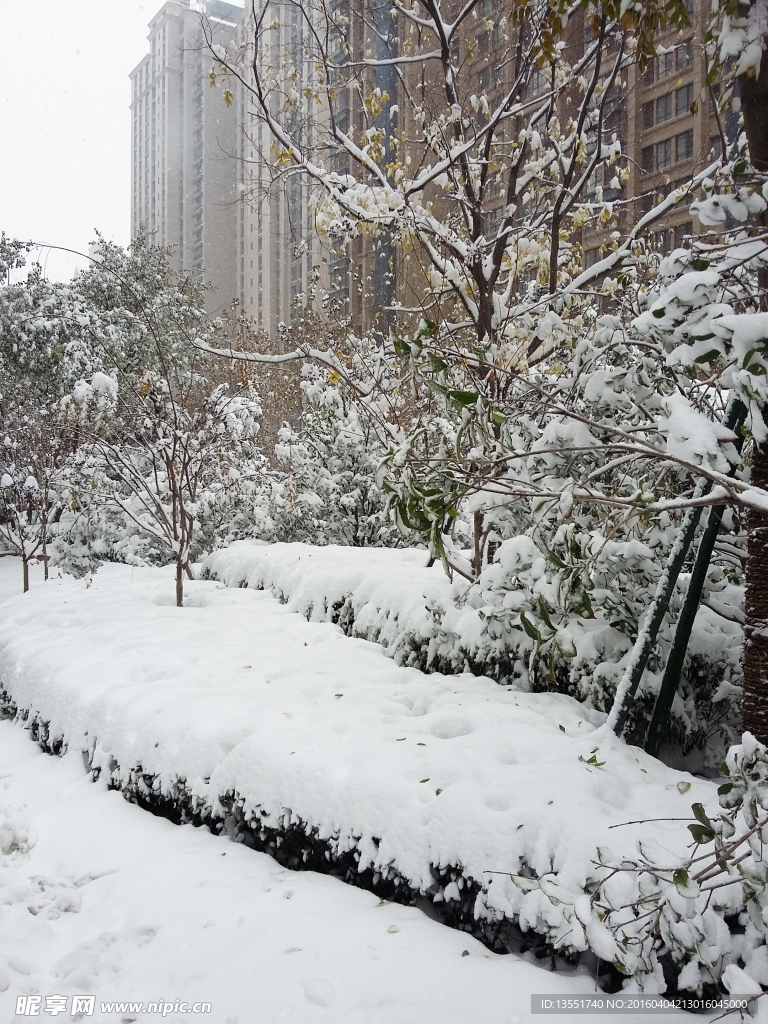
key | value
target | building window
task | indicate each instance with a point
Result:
(688, 196)
(684, 146)
(495, 220)
(663, 154)
(591, 257)
(716, 146)
(539, 83)
(647, 116)
(683, 100)
(646, 160)
(495, 185)
(684, 55)
(484, 80)
(681, 231)
(649, 75)
(664, 108)
(666, 64)
(595, 179)
(591, 227)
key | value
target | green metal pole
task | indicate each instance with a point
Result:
(674, 666)
(646, 640)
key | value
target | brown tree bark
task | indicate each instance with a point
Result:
(755, 695)
(477, 561)
(179, 582)
(753, 93)
(754, 101)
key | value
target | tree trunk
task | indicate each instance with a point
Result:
(25, 567)
(754, 708)
(45, 550)
(179, 582)
(477, 522)
(753, 93)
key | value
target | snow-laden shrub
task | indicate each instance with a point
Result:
(593, 459)
(705, 914)
(526, 622)
(325, 489)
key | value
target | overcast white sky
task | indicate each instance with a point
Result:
(64, 120)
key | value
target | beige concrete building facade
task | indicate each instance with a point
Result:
(184, 186)
(204, 180)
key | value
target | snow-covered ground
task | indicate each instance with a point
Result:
(235, 692)
(111, 901)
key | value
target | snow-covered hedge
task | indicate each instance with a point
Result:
(291, 736)
(495, 627)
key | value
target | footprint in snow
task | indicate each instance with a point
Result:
(451, 728)
(319, 991)
(497, 803)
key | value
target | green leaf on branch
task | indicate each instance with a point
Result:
(739, 168)
(462, 399)
(426, 329)
(684, 885)
(701, 834)
(701, 815)
(529, 628)
(402, 348)
(709, 357)
(544, 612)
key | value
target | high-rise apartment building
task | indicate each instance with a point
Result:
(670, 129)
(183, 144)
(665, 118)
(201, 168)
(204, 178)
(277, 250)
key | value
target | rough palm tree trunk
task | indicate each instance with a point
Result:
(755, 696)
